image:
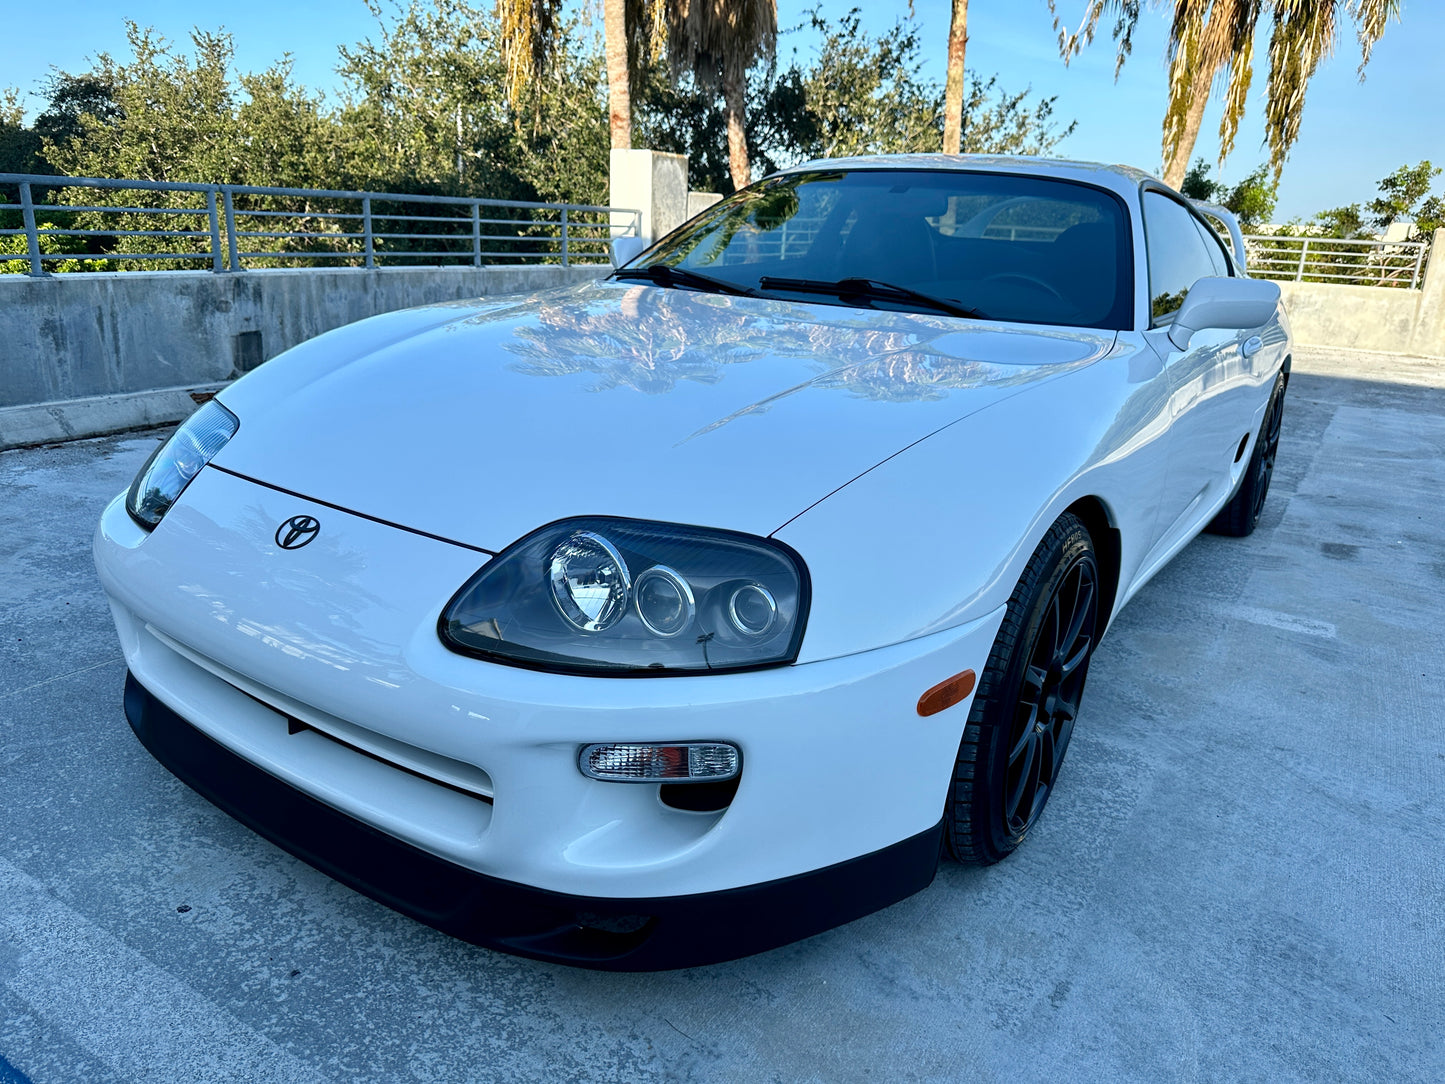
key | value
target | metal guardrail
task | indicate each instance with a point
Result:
(225, 226)
(1324, 259)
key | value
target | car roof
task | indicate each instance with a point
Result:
(1119, 178)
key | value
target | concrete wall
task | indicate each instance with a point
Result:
(1429, 337)
(85, 354)
(71, 336)
(1373, 317)
(1356, 317)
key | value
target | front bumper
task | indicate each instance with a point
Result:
(610, 934)
(469, 769)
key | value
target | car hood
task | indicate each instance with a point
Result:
(480, 421)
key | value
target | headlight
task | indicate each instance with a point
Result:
(172, 466)
(617, 596)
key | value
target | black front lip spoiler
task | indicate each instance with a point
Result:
(647, 934)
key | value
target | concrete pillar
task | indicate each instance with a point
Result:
(651, 182)
(698, 202)
(1428, 339)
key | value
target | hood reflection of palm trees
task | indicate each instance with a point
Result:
(649, 339)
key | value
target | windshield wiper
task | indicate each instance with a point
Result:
(871, 289)
(664, 275)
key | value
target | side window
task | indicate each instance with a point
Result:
(1178, 257)
(1215, 249)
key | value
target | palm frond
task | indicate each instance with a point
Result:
(528, 30)
(1303, 35)
(1372, 15)
(718, 40)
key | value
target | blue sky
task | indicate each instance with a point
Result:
(1351, 134)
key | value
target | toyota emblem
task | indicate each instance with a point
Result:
(297, 532)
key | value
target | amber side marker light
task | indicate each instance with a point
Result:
(946, 693)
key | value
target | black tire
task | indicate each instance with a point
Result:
(1028, 697)
(1241, 515)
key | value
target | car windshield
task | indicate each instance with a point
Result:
(989, 245)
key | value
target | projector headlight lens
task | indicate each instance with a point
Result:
(752, 609)
(664, 601)
(565, 598)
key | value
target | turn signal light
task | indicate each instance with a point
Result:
(684, 762)
(946, 693)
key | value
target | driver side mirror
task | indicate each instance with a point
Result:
(1232, 304)
(626, 249)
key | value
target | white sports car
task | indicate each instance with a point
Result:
(677, 616)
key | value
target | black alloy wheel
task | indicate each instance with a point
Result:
(1263, 464)
(1028, 699)
(1048, 703)
(1241, 515)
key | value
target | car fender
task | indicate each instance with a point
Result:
(945, 527)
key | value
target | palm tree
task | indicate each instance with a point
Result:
(953, 88)
(1211, 44)
(632, 29)
(1303, 35)
(717, 41)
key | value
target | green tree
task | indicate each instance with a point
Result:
(1403, 195)
(1197, 184)
(425, 109)
(173, 115)
(71, 97)
(1345, 223)
(50, 245)
(1430, 216)
(19, 145)
(858, 93)
(869, 95)
(532, 33)
(1253, 199)
(717, 42)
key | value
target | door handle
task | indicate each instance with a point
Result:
(1251, 346)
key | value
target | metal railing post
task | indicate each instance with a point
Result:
(32, 238)
(565, 260)
(233, 246)
(476, 234)
(218, 262)
(366, 230)
(1419, 260)
(1303, 251)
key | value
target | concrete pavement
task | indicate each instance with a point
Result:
(1240, 876)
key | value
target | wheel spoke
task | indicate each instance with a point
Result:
(1276, 416)
(1046, 755)
(1025, 784)
(1061, 744)
(1025, 740)
(1041, 795)
(1037, 789)
(1074, 661)
(1075, 612)
(1082, 606)
(1034, 679)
